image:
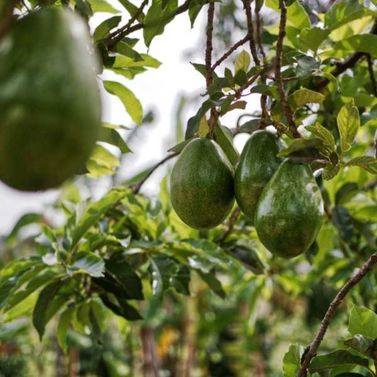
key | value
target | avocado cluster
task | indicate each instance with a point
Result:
(281, 198)
(49, 99)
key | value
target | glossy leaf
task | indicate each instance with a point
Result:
(348, 124)
(363, 321)
(292, 360)
(304, 96)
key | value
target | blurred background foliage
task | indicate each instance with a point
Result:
(120, 287)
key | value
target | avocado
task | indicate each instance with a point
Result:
(49, 100)
(289, 211)
(258, 162)
(201, 184)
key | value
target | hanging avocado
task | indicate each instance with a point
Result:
(202, 184)
(257, 164)
(289, 211)
(49, 100)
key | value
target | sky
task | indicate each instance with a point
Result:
(157, 89)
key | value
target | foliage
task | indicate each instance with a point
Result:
(121, 276)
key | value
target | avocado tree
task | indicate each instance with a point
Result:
(120, 285)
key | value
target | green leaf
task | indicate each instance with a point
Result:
(24, 220)
(362, 344)
(303, 96)
(366, 43)
(157, 18)
(121, 308)
(224, 138)
(47, 305)
(127, 62)
(130, 102)
(101, 162)
(102, 6)
(292, 360)
(95, 211)
(325, 135)
(368, 163)
(306, 65)
(348, 124)
(88, 262)
(201, 68)
(63, 325)
(213, 283)
(296, 14)
(132, 9)
(313, 37)
(336, 359)
(344, 12)
(103, 29)
(124, 49)
(111, 136)
(194, 9)
(124, 274)
(242, 62)
(300, 145)
(363, 321)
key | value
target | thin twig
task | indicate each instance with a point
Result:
(136, 188)
(279, 52)
(250, 28)
(123, 31)
(230, 225)
(117, 36)
(238, 92)
(311, 350)
(371, 74)
(259, 32)
(229, 52)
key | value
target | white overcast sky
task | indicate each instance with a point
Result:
(158, 89)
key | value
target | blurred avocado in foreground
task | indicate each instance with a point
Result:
(201, 183)
(49, 99)
(289, 211)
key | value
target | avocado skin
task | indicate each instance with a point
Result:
(201, 184)
(258, 163)
(49, 99)
(289, 211)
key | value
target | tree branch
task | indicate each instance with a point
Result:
(136, 188)
(250, 28)
(279, 53)
(311, 350)
(117, 35)
(230, 51)
(230, 225)
(123, 31)
(6, 17)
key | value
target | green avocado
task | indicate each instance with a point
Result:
(257, 165)
(201, 184)
(289, 211)
(49, 100)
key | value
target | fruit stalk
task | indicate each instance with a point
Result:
(311, 350)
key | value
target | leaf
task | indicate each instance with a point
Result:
(346, 192)
(194, 9)
(366, 43)
(247, 254)
(300, 145)
(362, 344)
(325, 135)
(122, 308)
(242, 62)
(88, 262)
(127, 62)
(250, 126)
(203, 129)
(213, 283)
(306, 65)
(179, 147)
(124, 49)
(313, 37)
(296, 14)
(101, 162)
(132, 9)
(292, 360)
(63, 325)
(103, 29)
(330, 171)
(102, 6)
(336, 359)
(131, 283)
(343, 222)
(95, 211)
(363, 321)
(201, 68)
(24, 220)
(368, 163)
(157, 18)
(46, 306)
(348, 124)
(111, 136)
(303, 96)
(130, 102)
(224, 138)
